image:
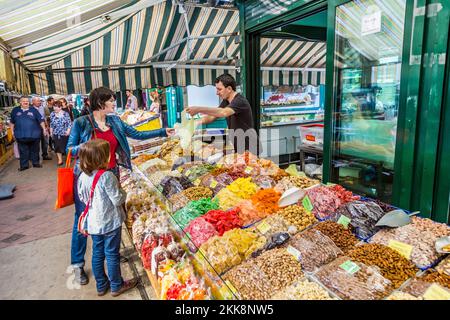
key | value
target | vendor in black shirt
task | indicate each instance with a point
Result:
(236, 109)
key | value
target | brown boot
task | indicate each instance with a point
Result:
(127, 285)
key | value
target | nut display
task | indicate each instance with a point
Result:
(231, 249)
(197, 193)
(341, 237)
(261, 277)
(315, 248)
(295, 181)
(398, 295)
(303, 289)
(297, 216)
(264, 181)
(392, 265)
(178, 201)
(418, 286)
(272, 224)
(361, 282)
(444, 266)
(421, 234)
(143, 158)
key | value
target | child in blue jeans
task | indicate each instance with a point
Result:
(99, 190)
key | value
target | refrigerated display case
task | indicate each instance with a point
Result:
(285, 105)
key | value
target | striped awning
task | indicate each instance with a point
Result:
(291, 53)
(125, 53)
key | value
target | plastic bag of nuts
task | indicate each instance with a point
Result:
(303, 289)
(341, 237)
(444, 266)
(363, 216)
(352, 280)
(297, 216)
(295, 182)
(419, 286)
(315, 248)
(391, 264)
(261, 277)
(421, 234)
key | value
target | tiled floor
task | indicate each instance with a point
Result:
(30, 214)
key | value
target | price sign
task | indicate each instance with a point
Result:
(248, 170)
(401, 247)
(180, 169)
(297, 254)
(350, 267)
(344, 221)
(213, 184)
(197, 182)
(436, 292)
(263, 227)
(307, 204)
(187, 173)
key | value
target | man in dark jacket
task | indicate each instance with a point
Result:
(27, 124)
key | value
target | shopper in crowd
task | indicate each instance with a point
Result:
(50, 103)
(44, 112)
(102, 123)
(236, 109)
(156, 104)
(86, 108)
(105, 215)
(60, 125)
(66, 108)
(27, 125)
(132, 102)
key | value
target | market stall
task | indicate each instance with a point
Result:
(209, 227)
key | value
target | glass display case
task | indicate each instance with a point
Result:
(368, 51)
(284, 105)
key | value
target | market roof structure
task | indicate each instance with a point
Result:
(74, 46)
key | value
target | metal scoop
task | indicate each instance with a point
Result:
(443, 245)
(396, 218)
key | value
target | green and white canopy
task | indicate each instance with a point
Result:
(75, 46)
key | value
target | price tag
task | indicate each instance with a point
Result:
(344, 221)
(197, 182)
(187, 173)
(213, 184)
(219, 165)
(350, 267)
(180, 169)
(401, 247)
(307, 204)
(248, 170)
(297, 254)
(436, 292)
(263, 227)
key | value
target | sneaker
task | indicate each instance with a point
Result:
(81, 276)
(47, 158)
(127, 285)
(102, 293)
(23, 169)
(37, 165)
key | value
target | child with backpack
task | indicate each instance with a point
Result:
(99, 189)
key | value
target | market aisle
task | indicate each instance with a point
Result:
(39, 270)
(35, 242)
(30, 215)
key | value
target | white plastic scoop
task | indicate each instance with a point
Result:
(291, 196)
(442, 245)
(395, 218)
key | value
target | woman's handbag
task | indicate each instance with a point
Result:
(82, 219)
(64, 189)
